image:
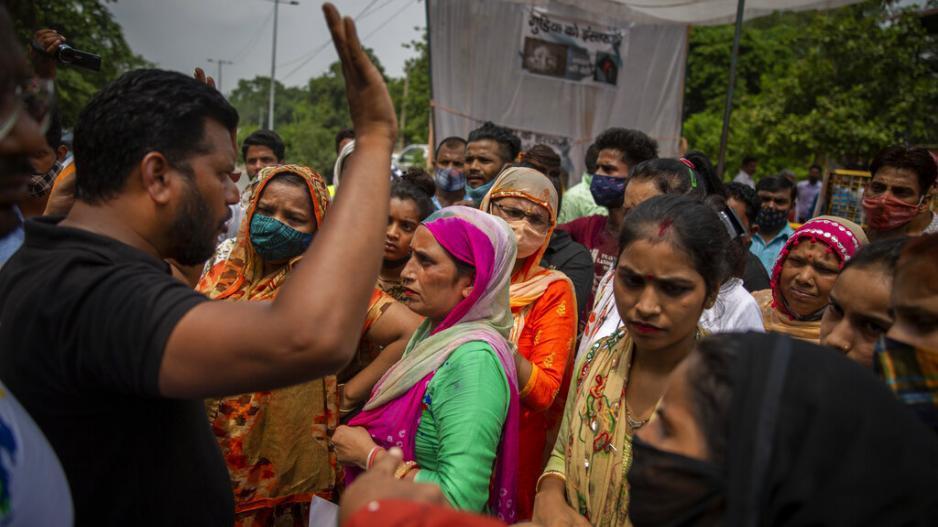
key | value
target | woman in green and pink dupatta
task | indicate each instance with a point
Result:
(451, 403)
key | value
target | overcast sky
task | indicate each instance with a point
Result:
(182, 34)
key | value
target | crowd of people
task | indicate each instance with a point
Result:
(473, 344)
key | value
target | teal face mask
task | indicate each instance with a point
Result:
(274, 240)
(476, 194)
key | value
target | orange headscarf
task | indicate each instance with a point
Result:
(240, 276)
(530, 282)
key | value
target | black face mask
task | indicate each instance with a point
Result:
(671, 489)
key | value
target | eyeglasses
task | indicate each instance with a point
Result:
(36, 99)
(511, 213)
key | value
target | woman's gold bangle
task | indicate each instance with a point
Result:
(552, 473)
(404, 468)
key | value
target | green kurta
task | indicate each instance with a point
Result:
(466, 404)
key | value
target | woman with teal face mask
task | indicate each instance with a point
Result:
(275, 443)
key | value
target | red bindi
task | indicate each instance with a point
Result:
(664, 226)
(650, 277)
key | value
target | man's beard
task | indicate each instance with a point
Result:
(193, 232)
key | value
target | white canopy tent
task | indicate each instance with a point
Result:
(695, 12)
(562, 71)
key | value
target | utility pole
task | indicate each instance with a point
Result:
(400, 134)
(220, 62)
(728, 106)
(273, 62)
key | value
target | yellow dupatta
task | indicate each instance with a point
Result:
(777, 322)
(598, 447)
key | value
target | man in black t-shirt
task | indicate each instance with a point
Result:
(112, 356)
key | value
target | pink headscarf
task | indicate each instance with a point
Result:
(842, 237)
(392, 414)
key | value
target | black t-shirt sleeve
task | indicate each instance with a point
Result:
(123, 324)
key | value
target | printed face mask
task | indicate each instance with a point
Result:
(449, 179)
(274, 240)
(771, 220)
(886, 212)
(608, 191)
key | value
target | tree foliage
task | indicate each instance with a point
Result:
(309, 117)
(832, 87)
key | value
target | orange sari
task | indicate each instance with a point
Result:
(275, 442)
(544, 307)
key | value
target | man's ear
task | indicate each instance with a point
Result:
(155, 177)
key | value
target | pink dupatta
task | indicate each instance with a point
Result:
(392, 414)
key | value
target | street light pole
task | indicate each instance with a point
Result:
(220, 62)
(273, 62)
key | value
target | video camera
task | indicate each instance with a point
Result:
(66, 54)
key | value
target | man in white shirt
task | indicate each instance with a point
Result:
(746, 171)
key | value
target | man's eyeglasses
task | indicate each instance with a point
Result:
(36, 99)
(511, 213)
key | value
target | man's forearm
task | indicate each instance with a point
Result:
(327, 294)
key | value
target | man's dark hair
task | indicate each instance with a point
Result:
(745, 194)
(634, 145)
(817, 166)
(881, 254)
(54, 133)
(450, 142)
(268, 138)
(749, 159)
(592, 155)
(146, 110)
(775, 184)
(508, 143)
(917, 160)
(345, 133)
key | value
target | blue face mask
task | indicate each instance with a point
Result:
(608, 191)
(476, 194)
(449, 179)
(274, 240)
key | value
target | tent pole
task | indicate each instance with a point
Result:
(728, 108)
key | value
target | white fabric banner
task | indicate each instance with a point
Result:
(478, 74)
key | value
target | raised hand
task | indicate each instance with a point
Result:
(42, 52)
(203, 78)
(49, 40)
(369, 101)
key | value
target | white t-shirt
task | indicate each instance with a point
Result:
(933, 226)
(33, 488)
(735, 311)
(745, 179)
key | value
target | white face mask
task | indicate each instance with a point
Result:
(529, 240)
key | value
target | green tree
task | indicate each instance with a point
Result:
(832, 86)
(88, 25)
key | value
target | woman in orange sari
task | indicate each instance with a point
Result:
(275, 443)
(545, 317)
